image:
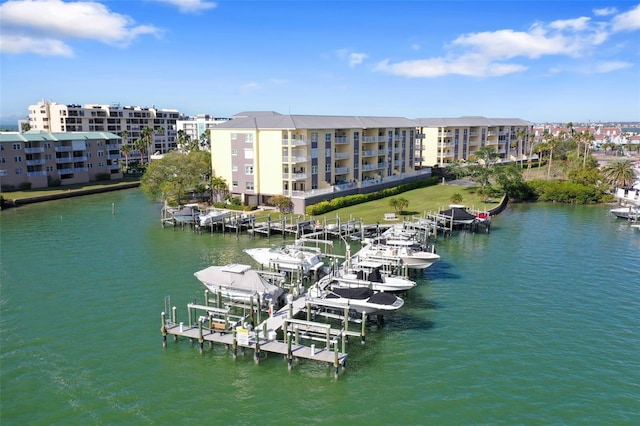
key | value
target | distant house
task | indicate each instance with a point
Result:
(37, 158)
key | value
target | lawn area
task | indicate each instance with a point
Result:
(430, 199)
(17, 195)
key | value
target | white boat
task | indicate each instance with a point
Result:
(399, 249)
(240, 283)
(213, 216)
(369, 274)
(361, 299)
(288, 258)
(626, 212)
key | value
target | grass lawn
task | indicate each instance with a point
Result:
(430, 199)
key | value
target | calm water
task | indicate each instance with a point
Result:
(536, 323)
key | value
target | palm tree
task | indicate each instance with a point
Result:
(205, 140)
(183, 141)
(160, 131)
(619, 173)
(219, 188)
(125, 150)
(552, 143)
(521, 135)
(140, 146)
(147, 139)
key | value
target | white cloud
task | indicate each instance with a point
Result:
(249, 87)
(356, 58)
(190, 6)
(494, 53)
(353, 58)
(605, 11)
(28, 22)
(415, 46)
(627, 21)
(606, 67)
(45, 47)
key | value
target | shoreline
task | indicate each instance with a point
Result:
(69, 193)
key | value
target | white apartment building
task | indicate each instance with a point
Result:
(54, 117)
(446, 140)
(196, 126)
(36, 159)
(311, 158)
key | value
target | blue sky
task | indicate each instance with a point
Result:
(554, 61)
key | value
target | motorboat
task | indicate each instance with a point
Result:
(240, 283)
(404, 250)
(213, 216)
(359, 299)
(369, 274)
(626, 212)
(289, 258)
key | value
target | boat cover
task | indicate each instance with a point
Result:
(458, 215)
(382, 298)
(358, 293)
(238, 277)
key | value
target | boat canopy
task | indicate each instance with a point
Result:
(238, 277)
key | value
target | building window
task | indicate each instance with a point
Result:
(248, 169)
(100, 153)
(327, 152)
(89, 165)
(17, 159)
(314, 152)
(327, 167)
(234, 136)
(234, 183)
(234, 152)
(314, 170)
(234, 168)
(49, 168)
(249, 186)
(248, 153)
(16, 146)
(314, 137)
(327, 137)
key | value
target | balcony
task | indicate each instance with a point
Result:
(34, 150)
(36, 162)
(113, 157)
(34, 174)
(64, 148)
(397, 163)
(80, 158)
(63, 160)
(294, 142)
(382, 165)
(80, 169)
(294, 176)
(65, 171)
(341, 140)
(341, 155)
(113, 147)
(295, 159)
(113, 166)
(369, 153)
(366, 167)
(342, 170)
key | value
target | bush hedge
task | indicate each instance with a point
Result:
(566, 192)
(351, 200)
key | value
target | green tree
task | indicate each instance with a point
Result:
(25, 127)
(398, 204)
(219, 189)
(512, 183)
(283, 203)
(145, 142)
(456, 198)
(487, 156)
(205, 140)
(619, 173)
(171, 177)
(125, 149)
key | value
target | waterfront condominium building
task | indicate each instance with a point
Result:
(194, 127)
(37, 159)
(54, 117)
(311, 158)
(446, 140)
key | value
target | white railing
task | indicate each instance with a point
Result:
(34, 150)
(33, 174)
(63, 148)
(369, 153)
(64, 171)
(341, 155)
(342, 170)
(36, 162)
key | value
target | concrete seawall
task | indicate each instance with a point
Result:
(68, 194)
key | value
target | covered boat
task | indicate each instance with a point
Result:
(359, 299)
(239, 283)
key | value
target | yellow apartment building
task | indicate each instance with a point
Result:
(311, 158)
(446, 140)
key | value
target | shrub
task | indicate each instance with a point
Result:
(24, 186)
(103, 176)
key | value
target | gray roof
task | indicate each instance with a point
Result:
(471, 121)
(42, 136)
(274, 120)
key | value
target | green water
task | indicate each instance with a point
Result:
(536, 323)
